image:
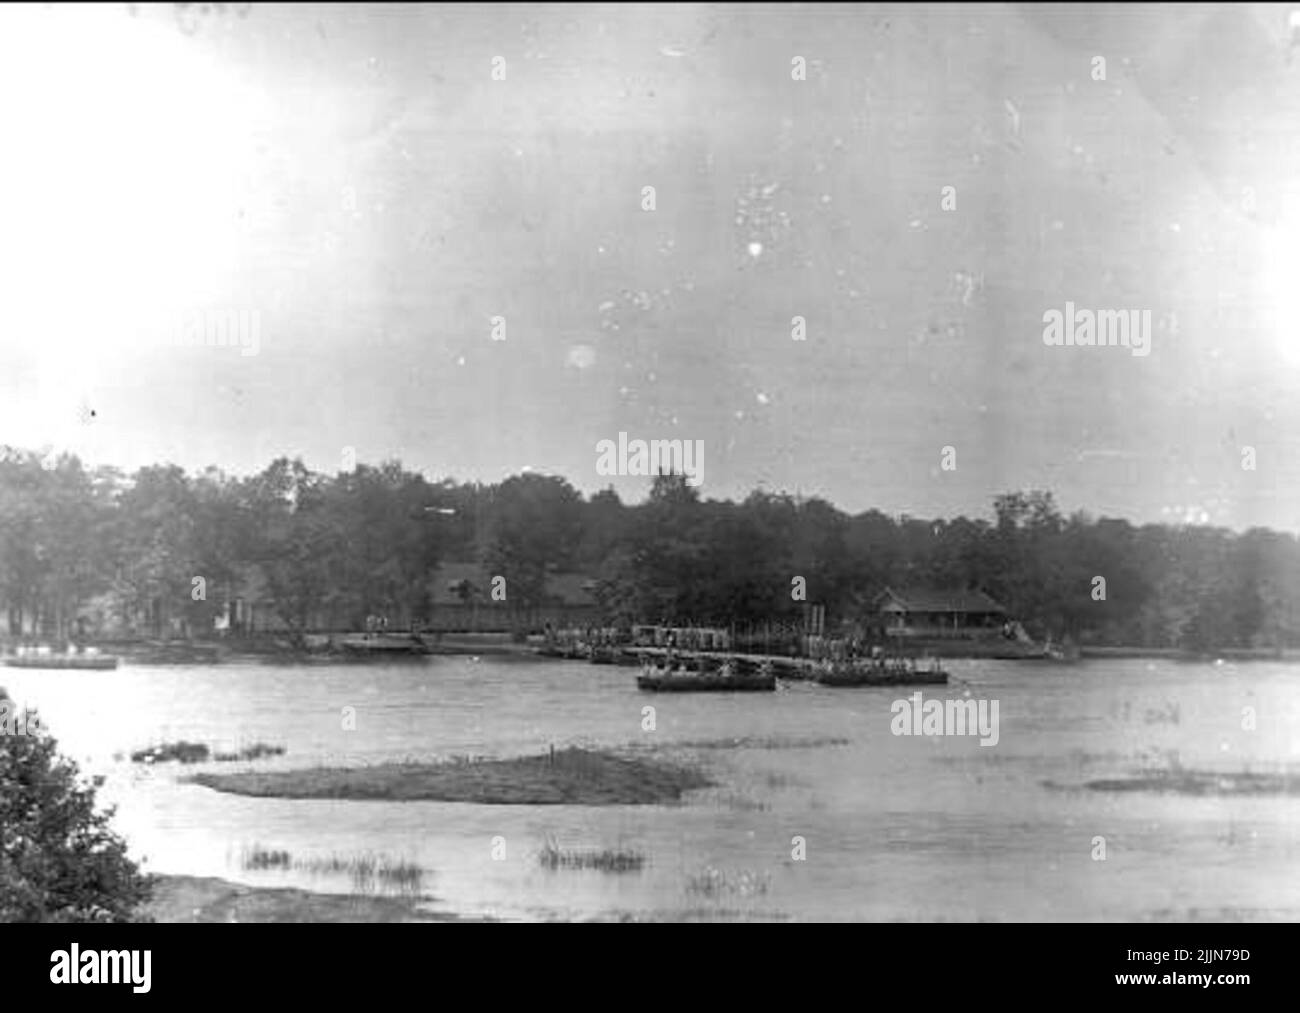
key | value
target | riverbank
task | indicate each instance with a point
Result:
(325, 649)
(568, 777)
(193, 899)
(1286, 654)
(317, 648)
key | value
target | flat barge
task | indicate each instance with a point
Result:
(697, 676)
(77, 662)
(878, 672)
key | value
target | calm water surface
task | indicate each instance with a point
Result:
(894, 827)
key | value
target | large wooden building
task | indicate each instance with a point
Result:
(927, 612)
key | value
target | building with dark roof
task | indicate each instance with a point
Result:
(931, 612)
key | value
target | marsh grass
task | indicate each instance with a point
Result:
(254, 752)
(716, 884)
(181, 752)
(615, 860)
(369, 873)
(258, 857)
(197, 752)
(1201, 782)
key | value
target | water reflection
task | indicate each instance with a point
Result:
(819, 811)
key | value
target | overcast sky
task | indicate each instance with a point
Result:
(357, 177)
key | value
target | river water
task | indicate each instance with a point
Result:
(891, 827)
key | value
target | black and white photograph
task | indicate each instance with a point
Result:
(650, 463)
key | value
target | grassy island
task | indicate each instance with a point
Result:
(1196, 782)
(573, 776)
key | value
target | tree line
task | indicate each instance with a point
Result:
(89, 549)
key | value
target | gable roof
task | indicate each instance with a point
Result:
(920, 599)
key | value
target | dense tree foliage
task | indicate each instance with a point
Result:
(85, 550)
(59, 859)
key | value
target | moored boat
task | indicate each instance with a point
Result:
(878, 672)
(89, 660)
(725, 679)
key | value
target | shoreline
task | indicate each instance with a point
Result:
(181, 899)
(275, 648)
(1180, 654)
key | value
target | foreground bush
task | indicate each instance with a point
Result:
(59, 861)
